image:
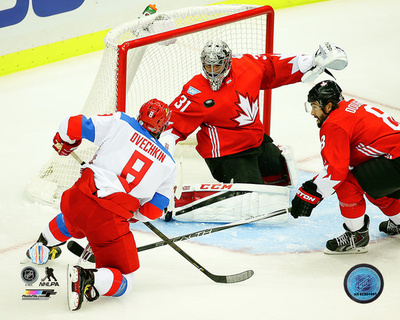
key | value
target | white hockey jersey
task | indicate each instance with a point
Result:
(129, 159)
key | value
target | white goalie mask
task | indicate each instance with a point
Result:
(216, 60)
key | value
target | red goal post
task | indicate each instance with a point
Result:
(153, 57)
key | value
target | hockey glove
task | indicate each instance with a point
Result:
(306, 199)
(64, 148)
(328, 56)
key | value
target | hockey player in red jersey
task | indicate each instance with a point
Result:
(130, 178)
(223, 102)
(360, 149)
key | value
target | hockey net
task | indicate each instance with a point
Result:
(153, 57)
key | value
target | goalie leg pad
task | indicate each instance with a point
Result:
(224, 203)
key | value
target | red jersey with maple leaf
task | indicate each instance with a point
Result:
(351, 135)
(229, 118)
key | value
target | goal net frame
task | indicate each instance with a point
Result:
(269, 44)
(118, 76)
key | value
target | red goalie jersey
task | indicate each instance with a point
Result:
(351, 135)
(229, 118)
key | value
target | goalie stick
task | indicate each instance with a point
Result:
(77, 249)
(242, 276)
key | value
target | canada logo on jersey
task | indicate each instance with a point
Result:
(248, 110)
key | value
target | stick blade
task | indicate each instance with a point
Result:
(233, 278)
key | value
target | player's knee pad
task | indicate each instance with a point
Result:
(219, 202)
(379, 177)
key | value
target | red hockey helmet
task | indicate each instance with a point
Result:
(154, 116)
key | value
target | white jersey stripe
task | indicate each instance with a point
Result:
(214, 141)
(369, 151)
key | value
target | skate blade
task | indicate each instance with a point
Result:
(72, 296)
(351, 251)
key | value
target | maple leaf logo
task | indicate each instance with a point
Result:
(248, 110)
(325, 182)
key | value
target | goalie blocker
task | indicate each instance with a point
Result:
(228, 202)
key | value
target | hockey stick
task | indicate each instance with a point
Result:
(215, 229)
(76, 157)
(86, 255)
(77, 249)
(216, 278)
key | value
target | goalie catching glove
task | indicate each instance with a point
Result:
(64, 148)
(306, 199)
(328, 56)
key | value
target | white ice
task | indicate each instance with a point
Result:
(285, 285)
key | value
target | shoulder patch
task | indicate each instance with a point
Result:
(192, 91)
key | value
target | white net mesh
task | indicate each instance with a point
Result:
(158, 70)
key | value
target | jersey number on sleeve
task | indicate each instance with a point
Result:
(137, 167)
(183, 102)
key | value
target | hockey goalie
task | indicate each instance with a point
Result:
(222, 104)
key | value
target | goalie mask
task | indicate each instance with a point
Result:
(154, 116)
(216, 60)
(324, 92)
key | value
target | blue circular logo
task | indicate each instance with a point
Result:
(363, 283)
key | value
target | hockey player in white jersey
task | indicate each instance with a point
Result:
(129, 179)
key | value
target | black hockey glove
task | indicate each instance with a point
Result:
(306, 199)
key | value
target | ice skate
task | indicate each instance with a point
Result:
(389, 227)
(80, 283)
(350, 242)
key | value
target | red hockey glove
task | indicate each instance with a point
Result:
(64, 148)
(306, 199)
